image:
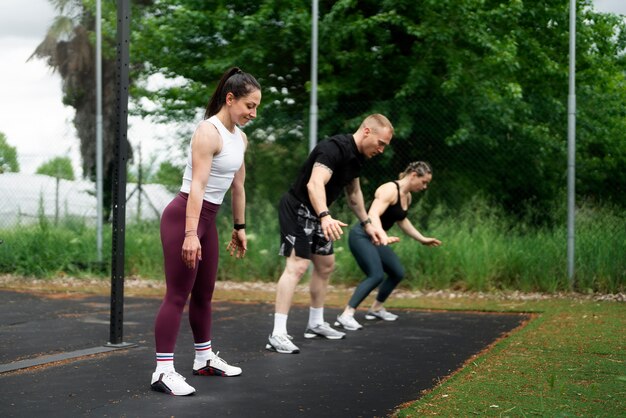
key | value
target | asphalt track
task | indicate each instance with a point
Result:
(368, 374)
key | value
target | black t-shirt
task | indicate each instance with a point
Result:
(340, 154)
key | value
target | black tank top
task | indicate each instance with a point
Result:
(394, 213)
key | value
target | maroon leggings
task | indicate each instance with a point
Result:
(181, 280)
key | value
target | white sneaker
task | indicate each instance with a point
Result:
(380, 314)
(171, 383)
(215, 366)
(281, 343)
(347, 322)
(323, 330)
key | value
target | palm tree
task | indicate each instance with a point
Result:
(68, 49)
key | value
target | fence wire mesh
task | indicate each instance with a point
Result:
(509, 174)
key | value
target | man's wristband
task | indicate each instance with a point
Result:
(365, 222)
(239, 226)
(324, 213)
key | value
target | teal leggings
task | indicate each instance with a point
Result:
(375, 261)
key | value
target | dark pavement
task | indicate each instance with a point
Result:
(368, 374)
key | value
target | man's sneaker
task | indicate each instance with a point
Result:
(281, 343)
(171, 383)
(347, 322)
(381, 314)
(324, 330)
(215, 366)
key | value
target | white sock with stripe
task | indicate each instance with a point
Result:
(204, 351)
(164, 362)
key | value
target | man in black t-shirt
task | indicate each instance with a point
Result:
(308, 229)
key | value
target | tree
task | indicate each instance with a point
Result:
(59, 167)
(601, 94)
(479, 88)
(193, 43)
(68, 48)
(168, 175)
(485, 89)
(8, 156)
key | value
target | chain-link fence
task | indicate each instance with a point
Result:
(498, 198)
(29, 198)
(490, 183)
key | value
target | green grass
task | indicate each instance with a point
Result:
(569, 361)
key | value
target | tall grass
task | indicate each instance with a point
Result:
(262, 262)
(482, 250)
(601, 248)
(43, 249)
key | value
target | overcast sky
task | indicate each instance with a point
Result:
(32, 115)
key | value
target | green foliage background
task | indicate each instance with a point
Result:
(458, 79)
(477, 88)
(8, 156)
(59, 167)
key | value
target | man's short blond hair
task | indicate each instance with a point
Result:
(377, 120)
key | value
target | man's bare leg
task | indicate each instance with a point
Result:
(323, 266)
(295, 268)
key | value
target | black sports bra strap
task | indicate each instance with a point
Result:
(398, 187)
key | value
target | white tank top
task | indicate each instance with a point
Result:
(225, 164)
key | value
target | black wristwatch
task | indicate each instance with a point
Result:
(323, 213)
(365, 222)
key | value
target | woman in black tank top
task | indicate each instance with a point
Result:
(390, 206)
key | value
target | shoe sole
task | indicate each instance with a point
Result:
(270, 347)
(339, 324)
(313, 335)
(159, 386)
(210, 371)
(372, 317)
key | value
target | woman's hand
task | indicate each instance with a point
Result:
(378, 235)
(238, 244)
(192, 251)
(431, 242)
(392, 240)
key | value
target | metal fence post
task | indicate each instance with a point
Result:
(119, 176)
(571, 146)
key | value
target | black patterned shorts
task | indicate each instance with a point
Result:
(300, 230)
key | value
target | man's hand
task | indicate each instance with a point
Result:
(332, 228)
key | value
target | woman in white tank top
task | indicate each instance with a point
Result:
(189, 234)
